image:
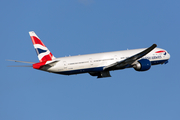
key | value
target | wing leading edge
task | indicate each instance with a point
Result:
(130, 60)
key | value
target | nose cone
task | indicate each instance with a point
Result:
(168, 55)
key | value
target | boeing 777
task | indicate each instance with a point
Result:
(99, 64)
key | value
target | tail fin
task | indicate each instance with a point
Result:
(42, 51)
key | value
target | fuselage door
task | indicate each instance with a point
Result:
(91, 61)
(116, 57)
(65, 65)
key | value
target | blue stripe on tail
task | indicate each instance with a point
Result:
(39, 51)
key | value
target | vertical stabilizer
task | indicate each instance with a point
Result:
(42, 51)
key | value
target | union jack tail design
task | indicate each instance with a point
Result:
(42, 51)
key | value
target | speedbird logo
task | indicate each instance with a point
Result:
(161, 51)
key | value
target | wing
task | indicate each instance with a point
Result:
(130, 60)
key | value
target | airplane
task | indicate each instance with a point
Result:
(98, 64)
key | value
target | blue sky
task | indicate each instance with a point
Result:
(76, 27)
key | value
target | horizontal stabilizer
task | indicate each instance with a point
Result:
(22, 61)
(20, 66)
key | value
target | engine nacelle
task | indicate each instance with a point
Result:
(142, 65)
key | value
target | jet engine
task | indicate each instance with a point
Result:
(142, 65)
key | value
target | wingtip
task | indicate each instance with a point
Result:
(155, 45)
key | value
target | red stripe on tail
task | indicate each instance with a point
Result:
(36, 40)
(46, 58)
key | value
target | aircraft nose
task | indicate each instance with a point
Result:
(168, 55)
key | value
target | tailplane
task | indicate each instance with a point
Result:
(42, 51)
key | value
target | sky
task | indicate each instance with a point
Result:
(73, 27)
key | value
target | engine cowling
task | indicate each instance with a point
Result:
(142, 65)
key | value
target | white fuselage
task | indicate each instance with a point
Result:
(96, 62)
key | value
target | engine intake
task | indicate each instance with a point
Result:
(142, 65)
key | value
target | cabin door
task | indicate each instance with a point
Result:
(65, 65)
(90, 61)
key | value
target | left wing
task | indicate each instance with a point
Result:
(130, 60)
